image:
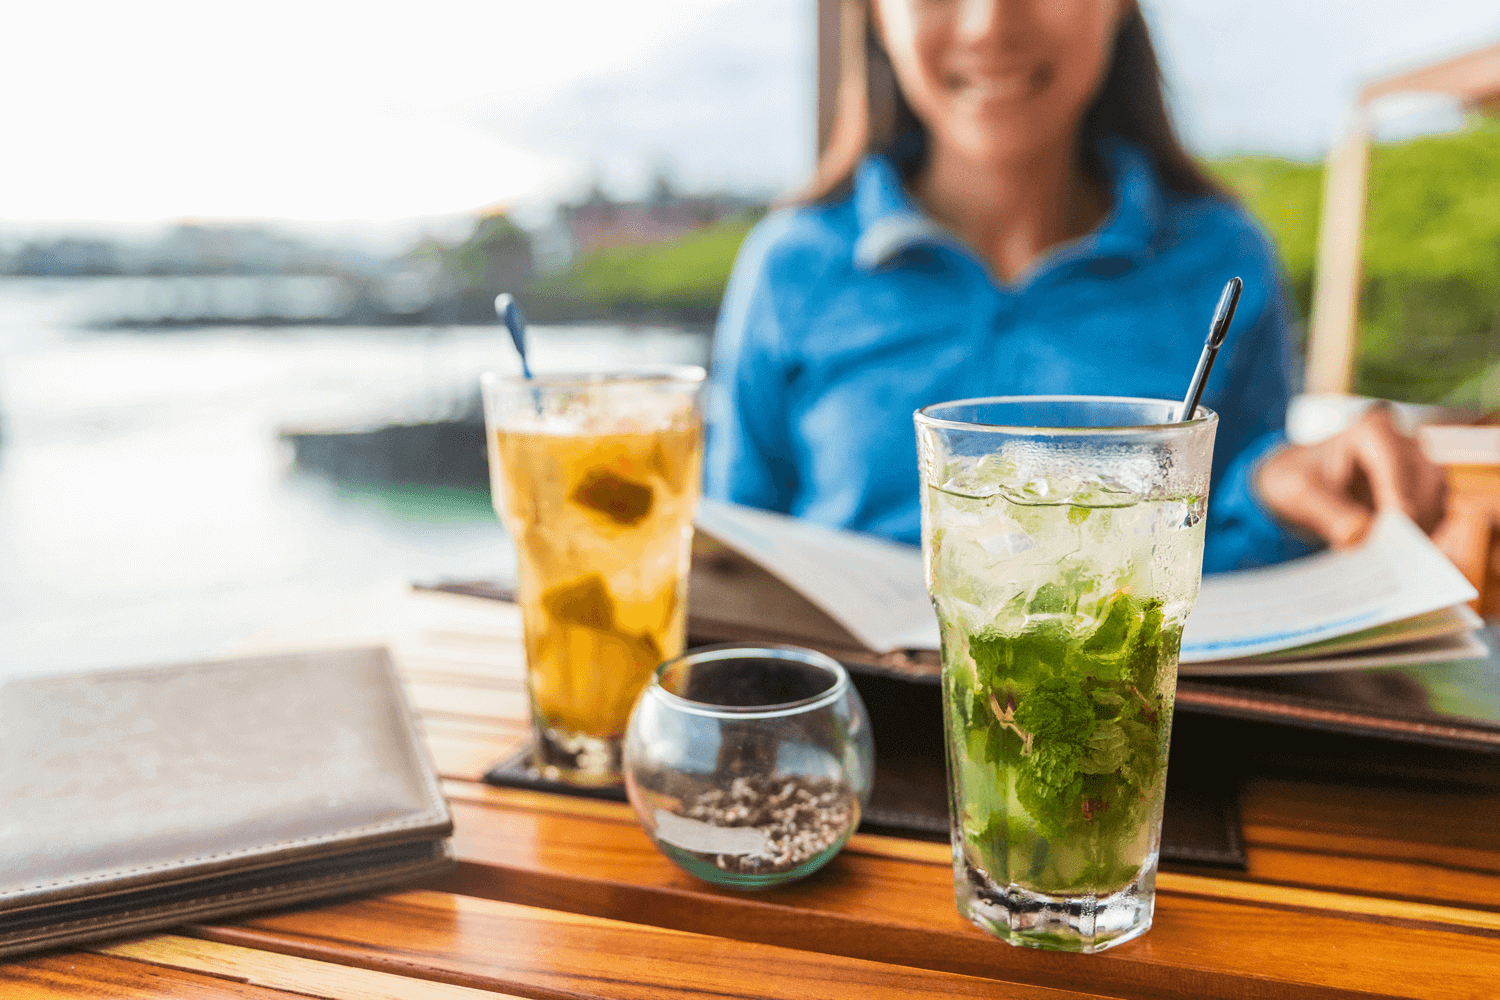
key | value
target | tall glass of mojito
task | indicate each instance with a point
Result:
(1063, 539)
(597, 478)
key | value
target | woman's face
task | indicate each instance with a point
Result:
(996, 81)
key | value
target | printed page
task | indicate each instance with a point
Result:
(1396, 573)
(1457, 620)
(732, 598)
(1443, 650)
(872, 587)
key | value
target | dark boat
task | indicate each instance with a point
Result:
(430, 453)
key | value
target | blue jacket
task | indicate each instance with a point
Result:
(841, 319)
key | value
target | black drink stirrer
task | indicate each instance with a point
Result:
(1223, 316)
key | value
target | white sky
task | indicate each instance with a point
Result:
(1278, 75)
(327, 109)
(296, 108)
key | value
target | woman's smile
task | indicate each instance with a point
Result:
(996, 82)
(1000, 86)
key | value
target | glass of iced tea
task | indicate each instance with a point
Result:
(596, 476)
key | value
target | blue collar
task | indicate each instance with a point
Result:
(890, 221)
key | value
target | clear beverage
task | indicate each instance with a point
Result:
(597, 481)
(1062, 563)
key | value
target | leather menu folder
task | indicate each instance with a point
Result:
(132, 800)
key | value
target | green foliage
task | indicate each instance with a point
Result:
(1435, 207)
(1287, 198)
(496, 255)
(1430, 302)
(689, 271)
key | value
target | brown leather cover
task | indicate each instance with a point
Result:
(139, 799)
(1450, 705)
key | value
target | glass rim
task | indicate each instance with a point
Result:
(615, 375)
(926, 419)
(739, 650)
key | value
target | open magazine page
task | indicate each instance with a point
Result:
(873, 588)
(1447, 623)
(1338, 603)
(1395, 573)
(1463, 646)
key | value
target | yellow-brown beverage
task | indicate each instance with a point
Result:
(597, 481)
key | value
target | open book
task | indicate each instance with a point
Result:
(1393, 600)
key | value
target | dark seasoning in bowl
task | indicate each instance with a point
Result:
(800, 816)
(779, 820)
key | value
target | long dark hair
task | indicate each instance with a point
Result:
(873, 116)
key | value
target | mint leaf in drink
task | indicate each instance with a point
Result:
(1114, 627)
(1007, 661)
(1107, 702)
(1060, 719)
(1064, 720)
(991, 654)
(1057, 711)
(1149, 646)
(1145, 759)
(1054, 809)
(1107, 750)
(1039, 652)
(992, 836)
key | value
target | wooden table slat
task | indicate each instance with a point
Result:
(545, 953)
(1334, 886)
(470, 757)
(1424, 819)
(443, 673)
(72, 975)
(1324, 844)
(325, 980)
(1265, 940)
(1400, 882)
(462, 701)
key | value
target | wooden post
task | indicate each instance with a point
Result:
(1335, 311)
(1474, 78)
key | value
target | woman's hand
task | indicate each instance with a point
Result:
(1334, 489)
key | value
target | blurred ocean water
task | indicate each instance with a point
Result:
(148, 510)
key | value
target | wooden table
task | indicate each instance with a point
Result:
(1350, 892)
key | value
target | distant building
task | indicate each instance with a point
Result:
(187, 248)
(196, 248)
(65, 258)
(598, 221)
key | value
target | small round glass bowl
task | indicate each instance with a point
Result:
(749, 765)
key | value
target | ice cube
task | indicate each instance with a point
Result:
(622, 500)
(1007, 541)
(966, 486)
(965, 615)
(586, 602)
